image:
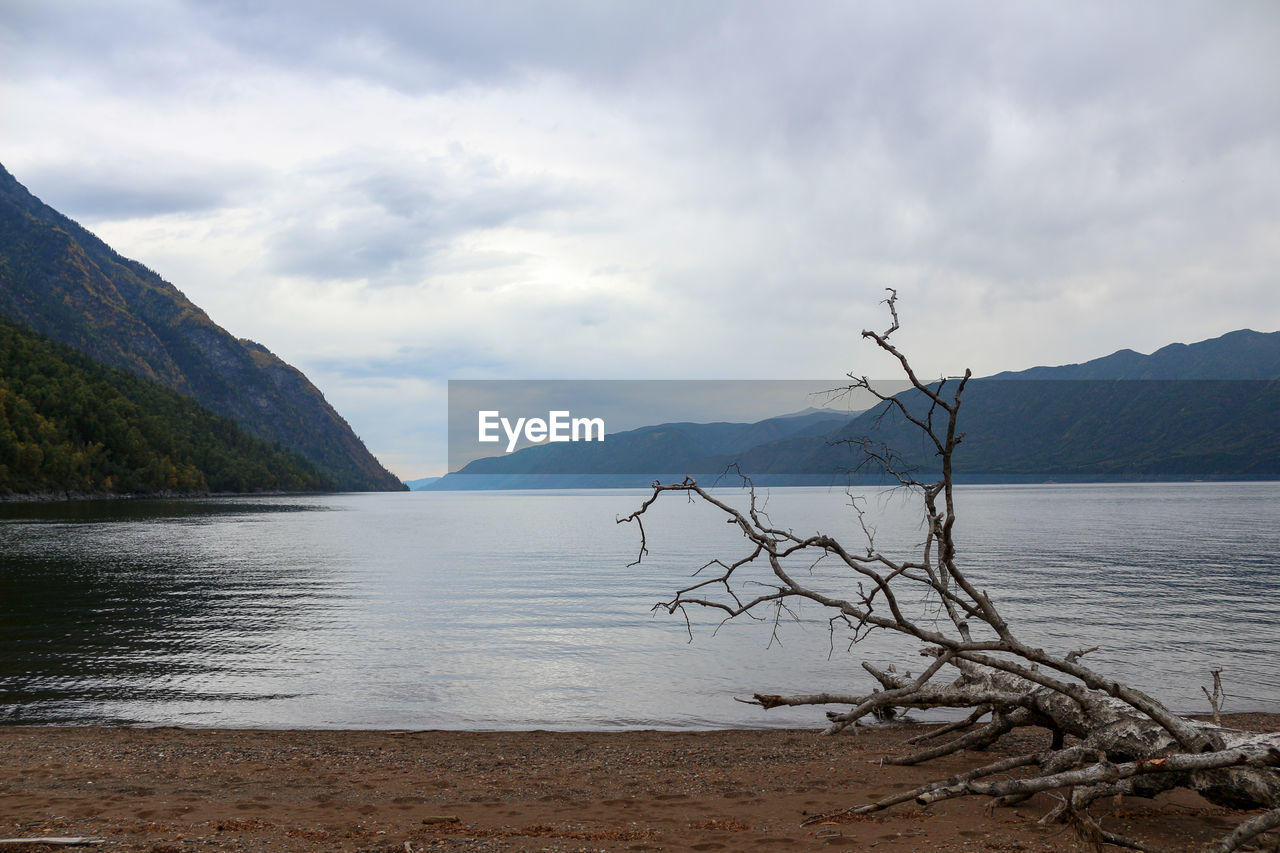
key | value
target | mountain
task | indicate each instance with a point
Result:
(421, 484)
(1243, 354)
(636, 456)
(69, 425)
(677, 445)
(1095, 429)
(65, 283)
(1208, 410)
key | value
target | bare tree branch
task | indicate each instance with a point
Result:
(1126, 742)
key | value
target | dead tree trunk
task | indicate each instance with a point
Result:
(1124, 741)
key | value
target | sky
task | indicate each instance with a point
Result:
(390, 195)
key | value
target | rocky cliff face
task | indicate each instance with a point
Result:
(67, 284)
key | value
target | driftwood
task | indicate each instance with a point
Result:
(1108, 738)
(1215, 698)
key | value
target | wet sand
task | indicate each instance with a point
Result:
(166, 790)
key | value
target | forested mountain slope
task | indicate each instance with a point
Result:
(64, 282)
(71, 425)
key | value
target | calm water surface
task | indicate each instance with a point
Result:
(518, 610)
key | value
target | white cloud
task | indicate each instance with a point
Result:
(388, 193)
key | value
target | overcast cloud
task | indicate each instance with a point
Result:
(392, 194)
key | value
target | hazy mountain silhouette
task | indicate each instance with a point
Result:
(1208, 410)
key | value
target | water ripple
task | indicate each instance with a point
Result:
(508, 610)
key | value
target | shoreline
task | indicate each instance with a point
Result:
(70, 496)
(61, 496)
(1250, 720)
(164, 789)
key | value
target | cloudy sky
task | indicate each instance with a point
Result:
(392, 194)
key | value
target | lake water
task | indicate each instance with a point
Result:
(508, 610)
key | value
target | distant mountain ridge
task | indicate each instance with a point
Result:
(61, 280)
(1242, 354)
(676, 444)
(421, 484)
(629, 458)
(1208, 410)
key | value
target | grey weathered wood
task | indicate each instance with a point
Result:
(57, 841)
(1126, 741)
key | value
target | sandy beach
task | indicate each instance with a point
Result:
(165, 790)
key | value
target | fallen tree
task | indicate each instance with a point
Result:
(1108, 738)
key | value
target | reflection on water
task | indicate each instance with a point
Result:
(1171, 581)
(125, 603)
(509, 610)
